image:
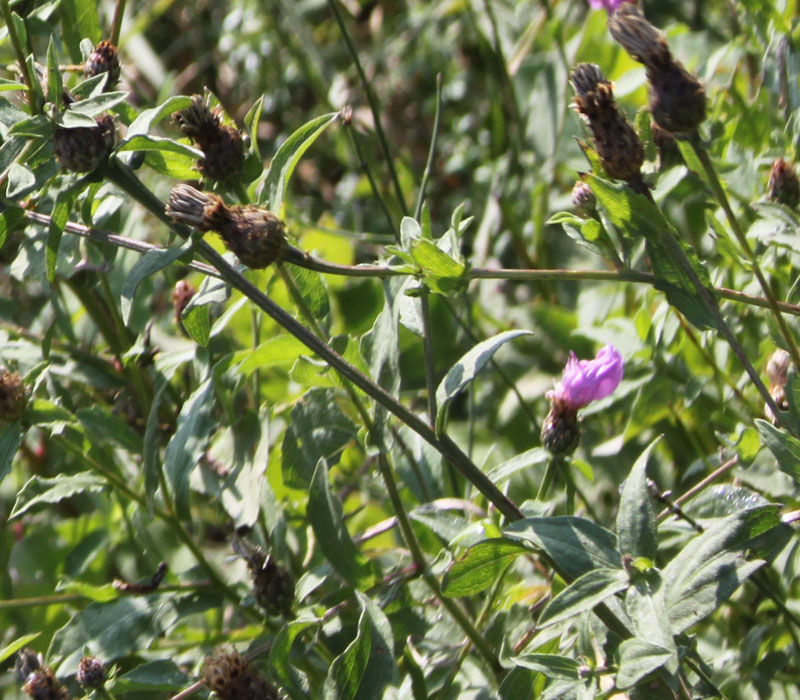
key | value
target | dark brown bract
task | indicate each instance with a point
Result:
(84, 148)
(561, 432)
(232, 678)
(104, 59)
(13, 396)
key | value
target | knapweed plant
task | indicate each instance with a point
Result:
(399, 350)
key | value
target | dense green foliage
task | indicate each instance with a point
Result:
(338, 457)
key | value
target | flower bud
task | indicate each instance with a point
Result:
(91, 672)
(104, 59)
(777, 371)
(273, 586)
(223, 154)
(26, 663)
(43, 685)
(84, 148)
(783, 185)
(583, 199)
(677, 99)
(256, 235)
(618, 145)
(560, 430)
(181, 296)
(13, 396)
(231, 678)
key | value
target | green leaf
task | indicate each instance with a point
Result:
(707, 571)
(160, 676)
(151, 262)
(530, 458)
(325, 515)
(784, 447)
(197, 322)
(55, 86)
(58, 219)
(380, 670)
(100, 594)
(272, 191)
(636, 519)
(639, 657)
(576, 545)
(480, 567)
(550, 665)
(347, 670)
(285, 672)
(313, 291)
(10, 439)
(39, 490)
(150, 117)
(9, 85)
(16, 645)
(175, 165)
(106, 426)
(251, 120)
(636, 216)
(150, 465)
(188, 444)
(583, 594)
(79, 19)
(45, 413)
(440, 272)
(318, 429)
(98, 104)
(146, 142)
(466, 369)
(20, 181)
(279, 351)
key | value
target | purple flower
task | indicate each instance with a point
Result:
(584, 381)
(609, 5)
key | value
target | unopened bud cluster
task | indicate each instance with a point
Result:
(181, 296)
(778, 371)
(223, 154)
(84, 148)
(618, 145)
(104, 59)
(91, 672)
(583, 199)
(256, 235)
(273, 586)
(677, 99)
(232, 678)
(39, 681)
(783, 185)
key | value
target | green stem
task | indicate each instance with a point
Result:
(19, 51)
(116, 24)
(719, 192)
(432, 150)
(553, 465)
(373, 105)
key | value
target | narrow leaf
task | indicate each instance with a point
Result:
(480, 567)
(466, 369)
(784, 447)
(285, 672)
(550, 665)
(636, 520)
(39, 490)
(16, 645)
(583, 594)
(289, 154)
(325, 514)
(347, 670)
(58, 220)
(146, 142)
(10, 439)
(79, 19)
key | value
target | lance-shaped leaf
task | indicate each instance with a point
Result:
(466, 369)
(39, 490)
(583, 594)
(481, 566)
(636, 520)
(784, 447)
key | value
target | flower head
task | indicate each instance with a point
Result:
(584, 381)
(608, 5)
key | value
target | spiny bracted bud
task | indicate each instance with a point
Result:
(583, 199)
(560, 430)
(84, 148)
(778, 371)
(13, 396)
(91, 672)
(618, 145)
(273, 586)
(26, 663)
(181, 296)
(43, 685)
(256, 235)
(223, 154)
(232, 678)
(677, 99)
(783, 185)
(104, 59)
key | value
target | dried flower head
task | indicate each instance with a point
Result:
(256, 235)
(84, 148)
(778, 371)
(783, 185)
(91, 672)
(677, 99)
(231, 677)
(104, 59)
(43, 685)
(582, 382)
(13, 396)
(223, 154)
(618, 145)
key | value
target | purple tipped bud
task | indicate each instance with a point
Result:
(584, 381)
(784, 186)
(583, 199)
(91, 672)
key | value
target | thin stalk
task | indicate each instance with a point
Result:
(126, 180)
(432, 150)
(553, 465)
(373, 105)
(722, 198)
(19, 51)
(302, 259)
(116, 23)
(700, 485)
